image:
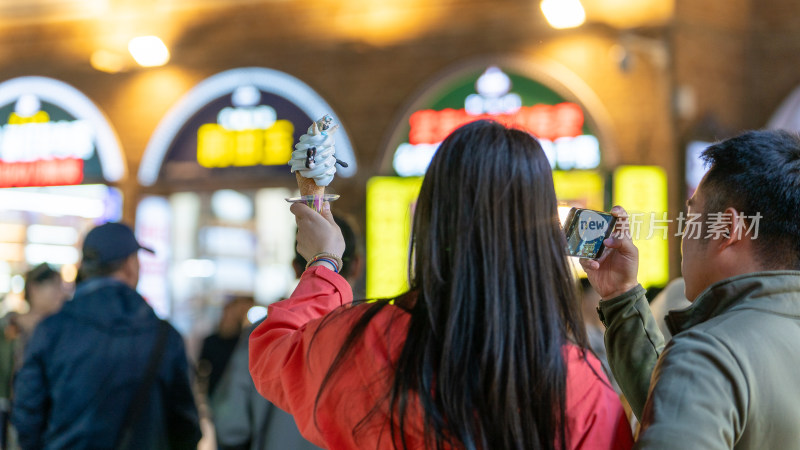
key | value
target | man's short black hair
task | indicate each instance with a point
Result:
(350, 247)
(92, 266)
(758, 172)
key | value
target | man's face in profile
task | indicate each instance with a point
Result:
(696, 259)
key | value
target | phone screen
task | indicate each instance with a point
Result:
(586, 230)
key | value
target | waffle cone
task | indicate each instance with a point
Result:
(308, 186)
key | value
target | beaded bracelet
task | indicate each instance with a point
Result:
(330, 258)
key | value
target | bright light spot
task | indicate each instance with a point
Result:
(17, 284)
(198, 268)
(493, 83)
(695, 166)
(148, 51)
(69, 272)
(5, 277)
(27, 105)
(51, 234)
(549, 151)
(247, 118)
(53, 254)
(231, 205)
(563, 212)
(579, 152)
(245, 96)
(51, 204)
(256, 313)
(106, 61)
(413, 160)
(563, 13)
(5, 283)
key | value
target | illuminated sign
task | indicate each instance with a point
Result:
(53, 172)
(239, 124)
(642, 191)
(544, 121)
(389, 212)
(53, 135)
(245, 135)
(153, 222)
(559, 125)
(579, 188)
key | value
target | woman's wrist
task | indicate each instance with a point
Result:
(323, 263)
(330, 260)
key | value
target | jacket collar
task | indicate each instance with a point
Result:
(94, 284)
(741, 289)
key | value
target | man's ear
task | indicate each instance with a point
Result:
(733, 228)
(128, 272)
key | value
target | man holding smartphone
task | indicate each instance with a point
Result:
(727, 379)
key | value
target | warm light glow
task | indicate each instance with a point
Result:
(69, 272)
(12, 252)
(383, 22)
(563, 13)
(12, 232)
(106, 61)
(148, 51)
(625, 14)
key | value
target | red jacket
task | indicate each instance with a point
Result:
(288, 363)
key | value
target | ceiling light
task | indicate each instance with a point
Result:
(563, 13)
(148, 51)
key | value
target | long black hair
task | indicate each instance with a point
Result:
(492, 300)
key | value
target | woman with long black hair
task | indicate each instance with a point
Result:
(487, 350)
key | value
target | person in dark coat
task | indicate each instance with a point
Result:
(84, 368)
(243, 419)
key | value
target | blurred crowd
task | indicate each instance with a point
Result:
(497, 343)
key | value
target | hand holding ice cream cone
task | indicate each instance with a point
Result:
(314, 161)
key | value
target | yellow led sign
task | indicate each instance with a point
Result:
(579, 188)
(390, 203)
(218, 146)
(642, 191)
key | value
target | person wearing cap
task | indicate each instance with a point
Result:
(105, 371)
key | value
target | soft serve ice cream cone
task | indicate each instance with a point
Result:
(313, 160)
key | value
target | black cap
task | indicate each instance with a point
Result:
(111, 242)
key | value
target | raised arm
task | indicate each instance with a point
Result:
(633, 341)
(283, 368)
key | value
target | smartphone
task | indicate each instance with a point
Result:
(586, 229)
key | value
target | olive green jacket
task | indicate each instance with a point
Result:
(729, 378)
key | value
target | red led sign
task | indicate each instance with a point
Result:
(543, 121)
(45, 172)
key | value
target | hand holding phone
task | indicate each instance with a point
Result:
(586, 230)
(615, 272)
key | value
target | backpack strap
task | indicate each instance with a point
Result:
(139, 399)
